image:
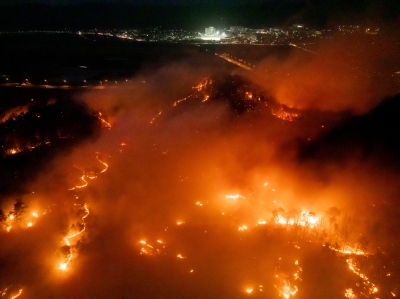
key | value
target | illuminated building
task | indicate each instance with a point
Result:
(210, 30)
(212, 34)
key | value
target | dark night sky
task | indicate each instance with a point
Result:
(162, 2)
(194, 14)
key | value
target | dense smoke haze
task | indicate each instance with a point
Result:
(188, 196)
(346, 73)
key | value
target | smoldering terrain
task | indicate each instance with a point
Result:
(211, 184)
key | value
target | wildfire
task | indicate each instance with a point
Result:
(305, 219)
(202, 84)
(372, 289)
(17, 295)
(148, 249)
(348, 250)
(349, 294)
(280, 220)
(234, 196)
(249, 95)
(284, 115)
(85, 183)
(102, 162)
(285, 285)
(205, 99)
(249, 290)
(63, 266)
(90, 175)
(155, 117)
(181, 100)
(242, 228)
(104, 123)
(288, 291)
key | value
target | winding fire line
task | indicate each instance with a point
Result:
(371, 286)
(105, 123)
(17, 295)
(104, 163)
(83, 177)
(63, 266)
(155, 117)
(81, 186)
(200, 86)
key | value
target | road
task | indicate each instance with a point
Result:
(234, 61)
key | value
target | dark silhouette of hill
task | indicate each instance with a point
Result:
(29, 141)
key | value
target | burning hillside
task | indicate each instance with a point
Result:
(202, 196)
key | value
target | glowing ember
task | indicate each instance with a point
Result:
(249, 291)
(29, 224)
(206, 97)
(242, 228)
(154, 118)
(17, 295)
(34, 214)
(63, 266)
(179, 256)
(104, 123)
(349, 294)
(288, 290)
(147, 249)
(284, 115)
